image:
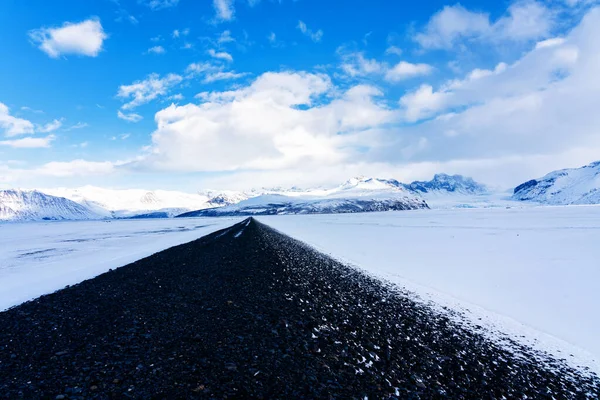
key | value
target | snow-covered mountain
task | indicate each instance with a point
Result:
(456, 191)
(566, 186)
(224, 197)
(280, 205)
(123, 203)
(354, 187)
(32, 205)
(448, 184)
(356, 195)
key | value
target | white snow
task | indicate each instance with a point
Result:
(524, 271)
(31, 205)
(353, 188)
(445, 200)
(42, 257)
(352, 195)
(529, 271)
(128, 202)
(566, 186)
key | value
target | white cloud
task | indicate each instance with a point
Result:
(394, 50)
(156, 50)
(13, 126)
(538, 70)
(277, 121)
(422, 103)
(178, 33)
(202, 67)
(50, 127)
(81, 145)
(451, 24)
(142, 92)
(75, 168)
(123, 15)
(224, 9)
(540, 109)
(525, 20)
(82, 38)
(212, 72)
(405, 70)
(549, 43)
(501, 124)
(29, 142)
(131, 117)
(160, 4)
(176, 97)
(25, 108)
(223, 76)
(225, 37)
(222, 55)
(121, 137)
(41, 175)
(355, 64)
(314, 36)
(79, 125)
(272, 38)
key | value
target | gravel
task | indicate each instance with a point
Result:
(249, 312)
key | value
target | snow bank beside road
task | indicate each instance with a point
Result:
(537, 266)
(40, 258)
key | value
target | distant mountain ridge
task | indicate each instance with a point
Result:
(282, 205)
(358, 194)
(563, 187)
(128, 203)
(32, 205)
(450, 184)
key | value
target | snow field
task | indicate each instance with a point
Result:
(529, 272)
(41, 257)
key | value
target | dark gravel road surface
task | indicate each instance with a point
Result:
(250, 313)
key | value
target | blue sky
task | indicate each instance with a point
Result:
(235, 94)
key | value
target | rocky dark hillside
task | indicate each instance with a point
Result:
(280, 205)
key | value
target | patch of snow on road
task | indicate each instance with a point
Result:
(527, 274)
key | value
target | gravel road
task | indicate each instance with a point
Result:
(250, 313)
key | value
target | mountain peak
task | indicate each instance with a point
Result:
(449, 183)
(30, 205)
(355, 181)
(562, 187)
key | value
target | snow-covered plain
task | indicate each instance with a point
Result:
(40, 258)
(529, 272)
